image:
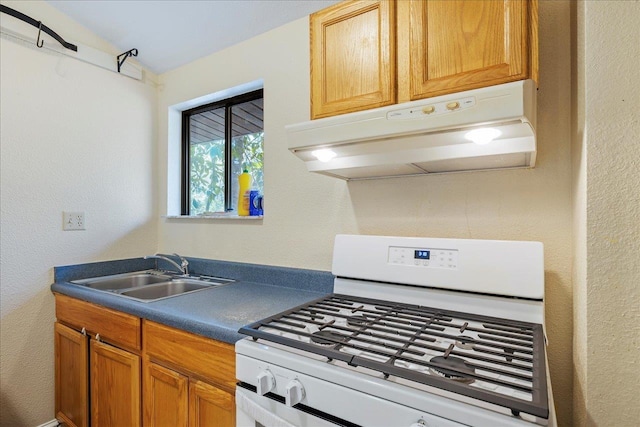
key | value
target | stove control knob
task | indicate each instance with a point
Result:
(266, 382)
(294, 393)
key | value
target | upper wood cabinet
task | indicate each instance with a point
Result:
(434, 47)
(448, 46)
(353, 57)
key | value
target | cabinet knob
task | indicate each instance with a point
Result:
(97, 337)
(294, 393)
(266, 382)
(453, 106)
(83, 331)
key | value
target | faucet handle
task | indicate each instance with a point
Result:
(183, 262)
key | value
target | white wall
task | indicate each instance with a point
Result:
(303, 212)
(607, 218)
(74, 137)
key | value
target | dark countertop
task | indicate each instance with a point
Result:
(215, 313)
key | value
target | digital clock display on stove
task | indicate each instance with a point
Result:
(421, 254)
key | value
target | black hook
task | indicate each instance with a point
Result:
(38, 42)
(124, 56)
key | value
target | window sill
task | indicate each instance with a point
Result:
(220, 215)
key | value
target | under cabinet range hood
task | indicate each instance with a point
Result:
(434, 135)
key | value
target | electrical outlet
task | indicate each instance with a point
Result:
(73, 221)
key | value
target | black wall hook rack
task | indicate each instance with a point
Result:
(39, 25)
(124, 56)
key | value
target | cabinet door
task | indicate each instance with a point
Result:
(447, 46)
(352, 57)
(115, 386)
(165, 397)
(72, 375)
(210, 406)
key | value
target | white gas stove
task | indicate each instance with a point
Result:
(419, 332)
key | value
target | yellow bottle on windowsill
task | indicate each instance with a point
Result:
(244, 186)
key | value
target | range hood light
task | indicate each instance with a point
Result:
(324, 155)
(483, 136)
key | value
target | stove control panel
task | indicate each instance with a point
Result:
(423, 257)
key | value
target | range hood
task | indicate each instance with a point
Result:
(424, 137)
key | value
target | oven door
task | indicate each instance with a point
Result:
(253, 410)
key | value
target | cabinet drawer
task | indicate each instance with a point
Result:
(211, 359)
(113, 326)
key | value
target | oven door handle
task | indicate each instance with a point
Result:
(241, 399)
(258, 413)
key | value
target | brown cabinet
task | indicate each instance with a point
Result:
(165, 397)
(178, 379)
(186, 371)
(434, 47)
(114, 388)
(210, 406)
(352, 57)
(72, 376)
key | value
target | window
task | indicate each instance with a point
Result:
(219, 140)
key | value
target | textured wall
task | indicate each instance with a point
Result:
(579, 175)
(607, 299)
(305, 211)
(73, 137)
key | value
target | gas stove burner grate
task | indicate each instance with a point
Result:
(328, 338)
(499, 361)
(464, 342)
(453, 368)
(358, 320)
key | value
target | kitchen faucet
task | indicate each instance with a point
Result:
(182, 267)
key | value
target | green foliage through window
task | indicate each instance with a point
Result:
(209, 183)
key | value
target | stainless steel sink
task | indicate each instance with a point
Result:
(123, 281)
(164, 290)
(151, 285)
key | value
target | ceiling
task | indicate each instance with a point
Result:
(169, 33)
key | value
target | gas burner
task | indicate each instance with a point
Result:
(508, 352)
(452, 368)
(358, 320)
(327, 337)
(464, 342)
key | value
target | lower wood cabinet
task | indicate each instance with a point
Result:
(72, 376)
(210, 406)
(173, 400)
(166, 402)
(188, 380)
(104, 377)
(115, 386)
(114, 389)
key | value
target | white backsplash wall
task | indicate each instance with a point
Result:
(74, 137)
(304, 211)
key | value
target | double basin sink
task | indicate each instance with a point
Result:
(150, 285)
